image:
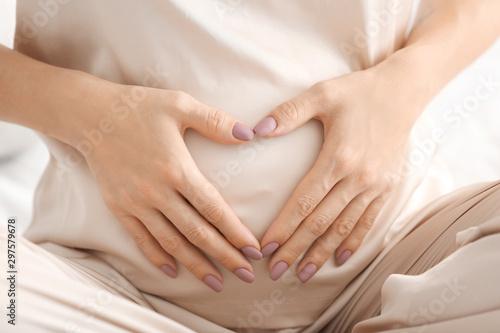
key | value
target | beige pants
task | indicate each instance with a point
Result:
(442, 277)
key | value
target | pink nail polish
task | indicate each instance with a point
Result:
(251, 252)
(242, 132)
(278, 270)
(307, 272)
(269, 248)
(244, 275)
(213, 283)
(266, 126)
(169, 271)
(343, 257)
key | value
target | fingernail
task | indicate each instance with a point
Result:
(213, 283)
(251, 252)
(244, 275)
(266, 126)
(307, 272)
(242, 132)
(343, 257)
(269, 248)
(278, 270)
(169, 271)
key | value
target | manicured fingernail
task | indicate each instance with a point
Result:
(266, 126)
(343, 257)
(213, 283)
(269, 248)
(242, 132)
(307, 272)
(278, 270)
(244, 275)
(251, 252)
(169, 271)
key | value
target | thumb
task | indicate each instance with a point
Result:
(285, 118)
(217, 125)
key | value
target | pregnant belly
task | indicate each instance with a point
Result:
(256, 179)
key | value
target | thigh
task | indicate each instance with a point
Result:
(460, 294)
(52, 295)
(432, 243)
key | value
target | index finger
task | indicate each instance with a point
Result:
(205, 198)
(318, 182)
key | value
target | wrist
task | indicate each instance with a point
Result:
(411, 84)
(55, 101)
(83, 101)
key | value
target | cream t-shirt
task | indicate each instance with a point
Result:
(243, 57)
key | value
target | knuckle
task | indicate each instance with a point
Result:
(283, 232)
(385, 195)
(226, 259)
(324, 90)
(180, 99)
(344, 227)
(195, 267)
(322, 250)
(177, 176)
(345, 162)
(169, 243)
(343, 199)
(392, 183)
(319, 224)
(214, 119)
(213, 212)
(146, 191)
(292, 110)
(174, 174)
(293, 252)
(183, 212)
(128, 200)
(329, 96)
(325, 183)
(198, 236)
(305, 205)
(112, 204)
(366, 177)
(367, 221)
(141, 240)
(322, 87)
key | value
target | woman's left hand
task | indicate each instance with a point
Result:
(367, 117)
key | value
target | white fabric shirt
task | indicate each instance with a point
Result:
(243, 57)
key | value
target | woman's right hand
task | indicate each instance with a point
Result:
(140, 162)
(150, 182)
